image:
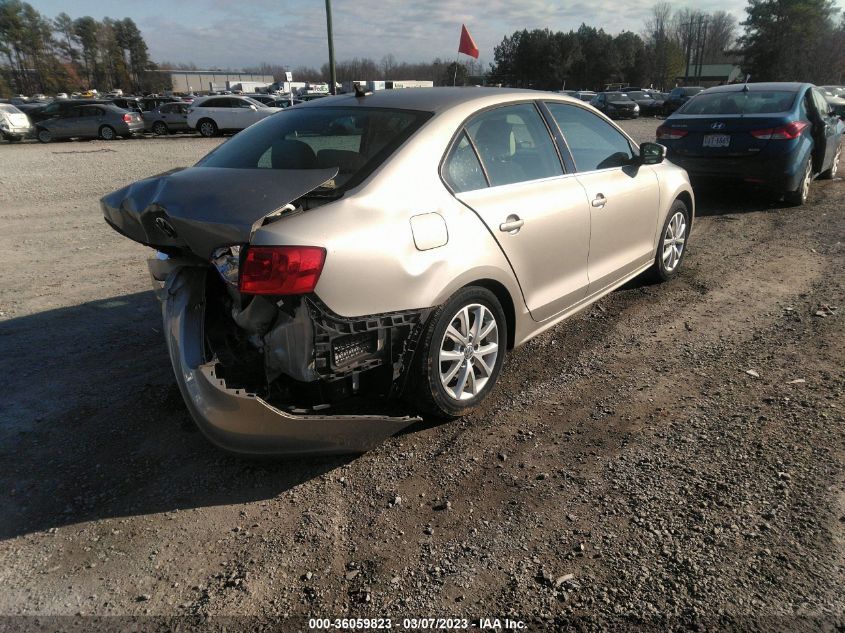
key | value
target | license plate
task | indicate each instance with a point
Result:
(717, 140)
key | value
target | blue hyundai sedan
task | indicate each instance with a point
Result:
(779, 136)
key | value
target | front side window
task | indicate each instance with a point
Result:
(354, 140)
(593, 142)
(462, 171)
(514, 145)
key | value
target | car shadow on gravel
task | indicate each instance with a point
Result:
(727, 199)
(93, 427)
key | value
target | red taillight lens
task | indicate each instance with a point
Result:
(127, 118)
(669, 133)
(788, 131)
(281, 270)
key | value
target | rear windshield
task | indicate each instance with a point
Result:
(355, 140)
(740, 103)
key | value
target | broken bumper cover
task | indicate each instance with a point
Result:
(235, 419)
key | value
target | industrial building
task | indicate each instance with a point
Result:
(186, 81)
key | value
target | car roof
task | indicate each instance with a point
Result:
(789, 86)
(428, 99)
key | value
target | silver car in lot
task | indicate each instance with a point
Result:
(391, 246)
(99, 120)
(167, 118)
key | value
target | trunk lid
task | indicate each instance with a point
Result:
(200, 209)
(715, 136)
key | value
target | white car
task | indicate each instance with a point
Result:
(14, 124)
(212, 115)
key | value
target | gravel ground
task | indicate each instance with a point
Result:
(670, 458)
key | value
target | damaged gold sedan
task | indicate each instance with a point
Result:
(391, 246)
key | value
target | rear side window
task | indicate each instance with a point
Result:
(752, 102)
(514, 145)
(462, 171)
(593, 142)
(355, 140)
(214, 103)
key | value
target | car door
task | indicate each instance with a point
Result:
(68, 123)
(825, 130)
(244, 114)
(624, 196)
(505, 167)
(177, 116)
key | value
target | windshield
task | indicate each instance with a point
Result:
(740, 103)
(638, 94)
(9, 109)
(355, 140)
(617, 96)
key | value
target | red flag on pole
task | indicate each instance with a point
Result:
(467, 45)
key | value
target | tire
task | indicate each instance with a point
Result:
(160, 128)
(671, 247)
(830, 174)
(44, 135)
(448, 381)
(207, 128)
(107, 133)
(798, 197)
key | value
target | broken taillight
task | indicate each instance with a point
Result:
(664, 133)
(281, 270)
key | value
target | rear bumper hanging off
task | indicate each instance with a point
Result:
(235, 419)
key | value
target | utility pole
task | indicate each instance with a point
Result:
(332, 73)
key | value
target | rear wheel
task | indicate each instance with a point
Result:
(673, 241)
(160, 128)
(107, 133)
(799, 196)
(834, 166)
(44, 135)
(207, 128)
(461, 353)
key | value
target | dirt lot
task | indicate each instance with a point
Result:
(671, 457)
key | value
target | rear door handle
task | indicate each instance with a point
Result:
(512, 224)
(599, 200)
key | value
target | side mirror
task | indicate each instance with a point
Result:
(652, 153)
(253, 107)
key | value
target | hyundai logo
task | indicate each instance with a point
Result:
(165, 227)
(718, 126)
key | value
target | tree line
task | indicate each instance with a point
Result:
(60, 54)
(779, 40)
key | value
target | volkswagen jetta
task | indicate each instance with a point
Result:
(391, 245)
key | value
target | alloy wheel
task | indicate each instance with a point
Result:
(674, 240)
(468, 352)
(107, 134)
(207, 128)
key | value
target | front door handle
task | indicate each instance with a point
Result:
(599, 200)
(512, 224)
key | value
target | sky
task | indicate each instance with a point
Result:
(232, 34)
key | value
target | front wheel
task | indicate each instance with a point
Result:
(830, 174)
(207, 128)
(44, 135)
(461, 353)
(673, 241)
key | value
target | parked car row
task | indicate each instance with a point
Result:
(779, 136)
